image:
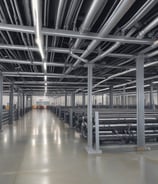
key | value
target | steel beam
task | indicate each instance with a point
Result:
(26, 62)
(11, 104)
(1, 99)
(74, 34)
(54, 75)
(140, 102)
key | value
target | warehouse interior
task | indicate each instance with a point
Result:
(78, 91)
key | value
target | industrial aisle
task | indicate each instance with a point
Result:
(40, 149)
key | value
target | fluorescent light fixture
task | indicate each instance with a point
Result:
(37, 23)
(39, 43)
(45, 84)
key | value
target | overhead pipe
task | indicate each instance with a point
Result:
(125, 72)
(94, 9)
(58, 22)
(70, 13)
(148, 5)
(135, 18)
(149, 27)
(118, 13)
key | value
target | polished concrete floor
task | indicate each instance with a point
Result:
(40, 149)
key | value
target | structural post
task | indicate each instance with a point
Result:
(97, 140)
(102, 99)
(73, 100)
(18, 104)
(83, 99)
(111, 97)
(11, 104)
(31, 102)
(123, 100)
(151, 96)
(140, 102)
(23, 103)
(1, 101)
(157, 97)
(65, 99)
(89, 109)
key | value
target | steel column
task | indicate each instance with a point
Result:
(151, 96)
(89, 107)
(1, 99)
(31, 102)
(97, 140)
(140, 102)
(23, 99)
(102, 99)
(27, 102)
(65, 99)
(111, 97)
(18, 105)
(73, 100)
(83, 99)
(11, 104)
(123, 97)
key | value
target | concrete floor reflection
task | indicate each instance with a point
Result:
(40, 149)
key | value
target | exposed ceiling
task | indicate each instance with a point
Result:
(72, 33)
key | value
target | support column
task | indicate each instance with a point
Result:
(123, 100)
(73, 100)
(18, 104)
(31, 102)
(111, 97)
(65, 99)
(83, 99)
(1, 100)
(140, 102)
(151, 96)
(11, 104)
(157, 97)
(21, 104)
(27, 103)
(89, 109)
(102, 99)
(23, 99)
